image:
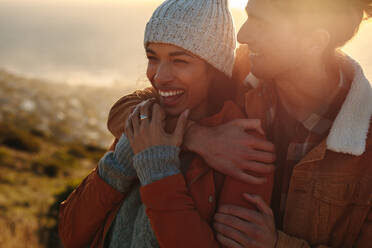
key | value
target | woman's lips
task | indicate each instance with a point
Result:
(171, 97)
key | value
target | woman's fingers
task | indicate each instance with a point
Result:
(158, 115)
(181, 126)
(145, 111)
(135, 120)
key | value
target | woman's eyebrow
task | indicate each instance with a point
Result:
(148, 50)
(180, 53)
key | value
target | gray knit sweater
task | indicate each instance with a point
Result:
(131, 227)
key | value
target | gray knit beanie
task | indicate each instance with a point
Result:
(203, 27)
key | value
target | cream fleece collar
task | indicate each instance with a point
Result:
(350, 129)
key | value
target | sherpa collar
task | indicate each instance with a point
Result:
(349, 131)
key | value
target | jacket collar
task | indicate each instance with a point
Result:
(349, 131)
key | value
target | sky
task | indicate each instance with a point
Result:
(97, 41)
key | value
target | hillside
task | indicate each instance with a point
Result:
(51, 136)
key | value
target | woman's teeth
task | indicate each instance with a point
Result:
(170, 93)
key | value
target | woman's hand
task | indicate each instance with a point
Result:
(145, 128)
(239, 227)
(233, 150)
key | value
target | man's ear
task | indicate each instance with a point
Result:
(317, 42)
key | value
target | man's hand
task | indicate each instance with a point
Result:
(232, 150)
(238, 227)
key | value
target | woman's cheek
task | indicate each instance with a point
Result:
(151, 70)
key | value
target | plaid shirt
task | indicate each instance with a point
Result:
(294, 139)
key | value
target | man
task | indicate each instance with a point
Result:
(315, 105)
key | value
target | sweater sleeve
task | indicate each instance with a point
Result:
(116, 167)
(156, 163)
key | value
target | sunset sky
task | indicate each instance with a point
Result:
(98, 41)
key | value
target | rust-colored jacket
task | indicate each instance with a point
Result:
(330, 193)
(180, 217)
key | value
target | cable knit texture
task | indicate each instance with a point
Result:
(116, 168)
(202, 27)
(131, 227)
(156, 163)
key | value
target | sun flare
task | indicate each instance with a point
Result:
(238, 4)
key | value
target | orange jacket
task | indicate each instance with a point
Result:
(180, 217)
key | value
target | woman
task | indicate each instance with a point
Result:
(315, 104)
(177, 192)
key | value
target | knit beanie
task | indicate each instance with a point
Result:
(203, 27)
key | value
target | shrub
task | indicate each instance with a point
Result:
(48, 235)
(18, 139)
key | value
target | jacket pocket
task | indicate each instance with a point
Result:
(343, 192)
(339, 209)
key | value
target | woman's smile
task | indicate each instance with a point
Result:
(171, 97)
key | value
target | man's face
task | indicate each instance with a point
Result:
(272, 40)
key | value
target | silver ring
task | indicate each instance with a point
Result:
(142, 117)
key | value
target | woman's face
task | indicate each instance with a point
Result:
(180, 78)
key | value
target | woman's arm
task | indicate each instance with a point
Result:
(170, 208)
(85, 211)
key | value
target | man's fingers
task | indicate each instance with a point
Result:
(257, 167)
(181, 125)
(259, 203)
(260, 143)
(227, 242)
(259, 156)
(250, 124)
(250, 179)
(232, 234)
(243, 213)
(237, 223)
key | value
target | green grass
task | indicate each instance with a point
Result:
(36, 174)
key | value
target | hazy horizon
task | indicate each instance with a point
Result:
(95, 41)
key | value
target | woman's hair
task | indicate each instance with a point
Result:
(222, 89)
(341, 18)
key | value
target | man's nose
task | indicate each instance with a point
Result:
(163, 74)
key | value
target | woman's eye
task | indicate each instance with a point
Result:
(152, 58)
(180, 61)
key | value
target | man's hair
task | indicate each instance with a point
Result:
(341, 18)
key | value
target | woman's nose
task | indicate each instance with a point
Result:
(163, 74)
(243, 34)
